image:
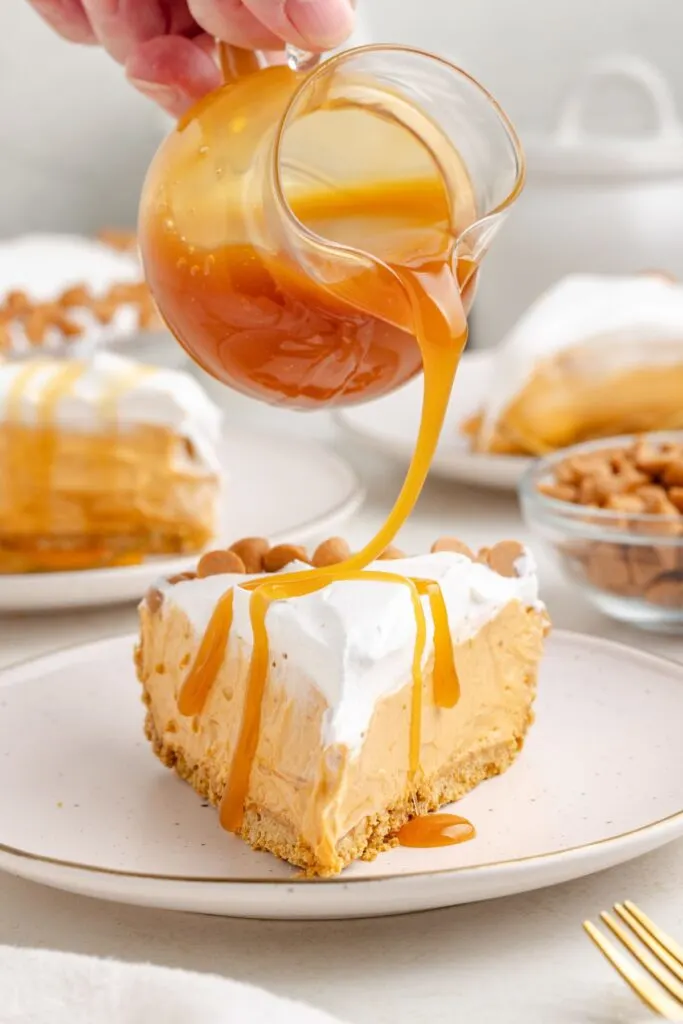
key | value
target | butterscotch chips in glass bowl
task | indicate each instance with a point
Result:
(611, 511)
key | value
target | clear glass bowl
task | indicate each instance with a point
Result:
(629, 565)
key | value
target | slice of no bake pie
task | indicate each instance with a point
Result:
(333, 777)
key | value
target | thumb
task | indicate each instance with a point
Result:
(309, 24)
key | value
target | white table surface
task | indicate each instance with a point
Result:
(520, 960)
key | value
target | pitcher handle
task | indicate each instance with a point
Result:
(571, 129)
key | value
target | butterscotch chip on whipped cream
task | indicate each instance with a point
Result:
(213, 563)
(504, 557)
(335, 772)
(283, 554)
(331, 552)
(452, 544)
(252, 551)
(391, 553)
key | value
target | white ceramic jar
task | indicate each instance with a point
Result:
(593, 202)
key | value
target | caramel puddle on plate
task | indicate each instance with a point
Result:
(431, 830)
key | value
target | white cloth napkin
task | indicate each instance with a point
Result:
(40, 987)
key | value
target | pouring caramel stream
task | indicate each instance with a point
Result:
(253, 317)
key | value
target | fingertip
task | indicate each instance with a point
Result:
(322, 26)
(173, 71)
(233, 22)
(308, 24)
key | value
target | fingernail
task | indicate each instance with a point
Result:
(173, 100)
(322, 23)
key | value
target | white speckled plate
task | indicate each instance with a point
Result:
(89, 809)
(391, 424)
(278, 486)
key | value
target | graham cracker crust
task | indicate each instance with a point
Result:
(375, 833)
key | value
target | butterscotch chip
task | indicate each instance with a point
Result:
(654, 459)
(667, 591)
(104, 310)
(592, 462)
(503, 556)
(331, 552)
(588, 491)
(76, 296)
(673, 474)
(647, 562)
(218, 563)
(607, 567)
(154, 600)
(452, 544)
(69, 328)
(565, 473)
(283, 554)
(630, 503)
(644, 566)
(652, 496)
(656, 502)
(17, 302)
(181, 577)
(128, 292)
(252, 551)
(390, 553)
(559, 491)
(625, 480)
(35, 325)
(676, 497)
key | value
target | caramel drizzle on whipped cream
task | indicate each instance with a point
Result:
(256, 555)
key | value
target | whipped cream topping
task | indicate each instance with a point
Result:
(44, 266)
(354, 640)
(621, 322)
(113, 387)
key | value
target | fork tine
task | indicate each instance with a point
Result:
(648, 939)
(644, 988)
(672, 986)
(670, 945)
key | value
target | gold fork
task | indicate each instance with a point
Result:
(653, 949)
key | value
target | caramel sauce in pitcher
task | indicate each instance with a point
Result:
(255, 319)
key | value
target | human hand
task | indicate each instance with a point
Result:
(168, 46)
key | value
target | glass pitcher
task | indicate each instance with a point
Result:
(279, 220)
